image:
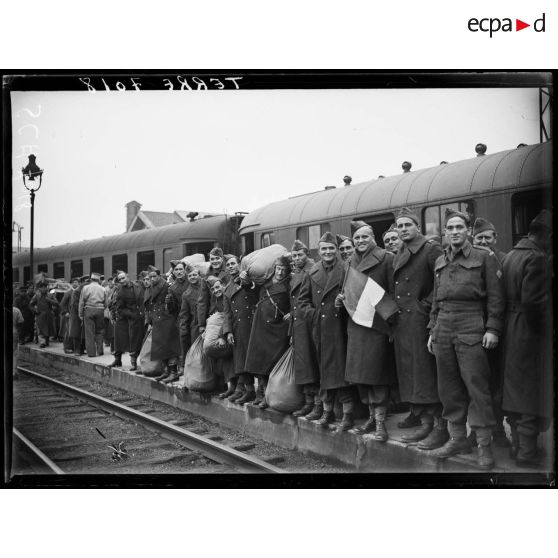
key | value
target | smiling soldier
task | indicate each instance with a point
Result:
(465, 322)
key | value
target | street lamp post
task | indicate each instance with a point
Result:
(31, 171)
(19, 229)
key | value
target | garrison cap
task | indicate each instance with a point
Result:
(542, 221)
(216, 252)
(406, 212)
(355, 225)
(392, 228)
(299, 245)
(342, 238)
(173, 263)
(153, 269)
(95, 276)
(329, 237)
(143, 274)
(452, 213)
(482, 225)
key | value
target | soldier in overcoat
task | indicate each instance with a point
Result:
(165, 341)
(370, 363)
(317, 303)
(188, 317)
(126, 310)
(77, 331)
(240, 298)
(307, 373)
(413, 273)
(65, 315)
(528, 360)
(465, 321)
(269, 336)
(42, 305)
(22, 301)
(217, 269)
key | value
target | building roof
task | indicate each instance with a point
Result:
(526, 166)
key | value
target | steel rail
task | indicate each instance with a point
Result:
(211, 449)
(25, 447)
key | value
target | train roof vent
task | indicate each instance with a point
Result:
(480, 149)
(330, 187)
(406, 166)
(347, 180)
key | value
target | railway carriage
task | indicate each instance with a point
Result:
(508, 188)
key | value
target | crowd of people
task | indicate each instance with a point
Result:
(470, 341)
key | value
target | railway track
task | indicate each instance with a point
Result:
(70, 424)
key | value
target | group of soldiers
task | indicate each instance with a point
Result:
(470, 342)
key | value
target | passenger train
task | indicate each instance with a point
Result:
(508, 188)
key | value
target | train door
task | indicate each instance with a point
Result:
(247, 243)
(380, 224)
(525, 206)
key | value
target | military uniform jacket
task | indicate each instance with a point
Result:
(413, 272)
(370, 358)
(43, 306)
(239, 307)
(528, 366)
(206, 298)
(165, 338)
(188, 316)
(471, 278)
(316, 300)
(176, 290)
(269, 335)
(305, 356)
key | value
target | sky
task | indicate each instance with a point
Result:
(236, 150)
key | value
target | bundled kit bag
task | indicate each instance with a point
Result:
(213, 331)
(197, 261)
(149, 367)
(198, 372)
(260, 264)
(282, 392)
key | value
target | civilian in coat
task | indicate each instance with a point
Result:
(65, 315)
(217, 269)
(413, 272)
(22, 301)
(269, 336)
(126, 311)
(317, 303)
(484, 234)
(77, 332)
(369, 354)
(42, 305)
(528, 359)
(307, 373)
(176, 290)
(165, 338)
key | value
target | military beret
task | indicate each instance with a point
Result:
(355, 225)
(452, 213)
(342, 238)
(482, 225)
(406, 212)
(542, 221)
(143, 274)
(173, 263)
(329, 237)
(153, 269)
(284, 261)
(392, 228)
(216, 252)
(299, 245)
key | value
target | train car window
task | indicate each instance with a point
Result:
(26, 274)
(145, 259)
(167, 257)
(248, 243)
(15, 275)
(76, 268)
(42, 268)
(267, 239)
(58, 270)
(119, 262)
(432, 217)
(97, 265)
(196, 248)
(302, 234)
(525, 206)
(314, 234)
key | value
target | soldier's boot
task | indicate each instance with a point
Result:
(370, 424)
(410, 421)
(117, 360)
(231, 388)
(239, 392)
(485, 457)
(134, 361)
(307, 407)
(527, 455)
(99, 344)
(381, 434)
(327, 418)
(426, 427)
(438, 437)
(348, 419)
(173, 374)
(317, 412)
(457, 443)
(166, 373)
(241, 398)
(260, 393)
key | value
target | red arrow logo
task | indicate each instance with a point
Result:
(519, 25)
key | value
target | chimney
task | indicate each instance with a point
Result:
(132, 209)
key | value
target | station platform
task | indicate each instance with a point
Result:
(360, 451)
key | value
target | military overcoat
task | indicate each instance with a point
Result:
(528, 366)
(43, 307)
(318, 291)
(77, 331)
(126, 308)
(413, 271)
(188, 316)
(239, 307)
(269, 336)
(205, 296)
(165, 338)
(369, 355)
